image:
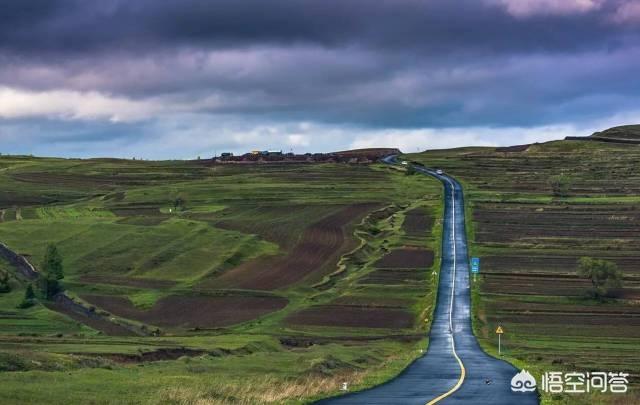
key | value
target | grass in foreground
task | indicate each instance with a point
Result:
(144, 232)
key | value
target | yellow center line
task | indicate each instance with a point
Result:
(463, 371)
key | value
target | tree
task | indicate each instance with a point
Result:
(49, 285)
(29, 298)
(52, 264)
(52, 272)
(180, 203)
(29, 294)
(603, 274)
(560, 185)
(5, 287)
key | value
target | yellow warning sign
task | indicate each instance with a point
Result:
(499, 331)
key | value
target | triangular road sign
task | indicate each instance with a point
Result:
(499, 331)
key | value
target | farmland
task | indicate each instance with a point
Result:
(278, 282)
(530, 237)
(191, 281)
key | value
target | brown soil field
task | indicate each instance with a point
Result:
(130, 176)
(137, 211)
(284, 225)
(193, 311)
(536, 284)
(406, 258)
(361, 175)
(143, 220)
(586, 306)
(521, 222)
(418, 222)
(76, 180)
(577, 319)
(551, 263)
(104, 326)
(320, 245)
(581, 318)
(10, 199)
(128, 281)
(353, 317)
(547, 213)
(371, 301)
(394, 277)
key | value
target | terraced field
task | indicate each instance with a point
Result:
(319, 246)
(529, 239)
(179, 271)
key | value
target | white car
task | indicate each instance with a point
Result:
(439, 171)
(404, 162)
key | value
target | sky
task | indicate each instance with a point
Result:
(185, 78)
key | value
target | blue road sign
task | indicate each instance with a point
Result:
(475, 265)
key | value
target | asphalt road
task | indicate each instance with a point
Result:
(454, 369)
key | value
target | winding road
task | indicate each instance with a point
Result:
(454, 370)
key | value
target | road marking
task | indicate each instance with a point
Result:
(463, 371)
(453, 285)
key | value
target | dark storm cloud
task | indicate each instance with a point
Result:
(370, 64)
(66, 26)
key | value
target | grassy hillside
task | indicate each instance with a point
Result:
(214, 283)
(533, 212)
(631, 132)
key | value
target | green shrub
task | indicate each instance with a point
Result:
(5, 286)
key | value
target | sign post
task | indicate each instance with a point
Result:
(499, 332)
(475, 267)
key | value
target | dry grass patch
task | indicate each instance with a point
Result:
(266, 390)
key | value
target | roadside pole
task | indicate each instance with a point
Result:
(499, 332)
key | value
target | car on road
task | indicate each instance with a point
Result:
(404, 162)
(439, 171)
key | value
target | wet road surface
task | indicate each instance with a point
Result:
(454, 369)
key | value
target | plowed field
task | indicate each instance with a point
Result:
(319, 245)
(191, 311)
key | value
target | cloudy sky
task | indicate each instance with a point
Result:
(181, 78)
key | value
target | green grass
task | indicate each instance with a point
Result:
(189, 376)
(35, 320)
(115, 220)
(179, 250)
(603, 176)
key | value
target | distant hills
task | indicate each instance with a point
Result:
(621, 134)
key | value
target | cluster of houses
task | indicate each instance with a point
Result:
(350, 156)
